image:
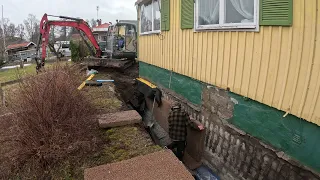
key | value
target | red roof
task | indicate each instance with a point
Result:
(105, 25)
(21, 45)
(75, 36)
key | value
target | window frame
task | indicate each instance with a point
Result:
(152, 31)
(227, 26)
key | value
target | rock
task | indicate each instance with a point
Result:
(119, 119)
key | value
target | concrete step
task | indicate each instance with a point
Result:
(117, 119)
(162, 165)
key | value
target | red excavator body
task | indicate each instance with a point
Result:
(82, 26)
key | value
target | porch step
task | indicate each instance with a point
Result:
(117, 119)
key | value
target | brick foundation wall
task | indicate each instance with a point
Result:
(230, 152)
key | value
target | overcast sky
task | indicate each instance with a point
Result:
(109, 10)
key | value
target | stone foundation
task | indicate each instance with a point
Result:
(232, 153)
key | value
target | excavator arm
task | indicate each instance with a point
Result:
(79, 24)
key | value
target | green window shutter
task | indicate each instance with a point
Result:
(187, 14)
(165, 15)
(276, 12)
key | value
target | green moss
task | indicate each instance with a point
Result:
(112, 103)
(103, 98)
(127, 142)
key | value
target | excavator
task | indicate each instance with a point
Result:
(101, 58)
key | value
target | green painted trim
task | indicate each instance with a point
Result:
(187, 87)
(187, 14)
(296, 137)
(280, 14)
(165, 15)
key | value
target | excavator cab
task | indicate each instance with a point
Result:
(122, 40)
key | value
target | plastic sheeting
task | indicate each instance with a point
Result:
(204, 173)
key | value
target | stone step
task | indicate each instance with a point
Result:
(117, 119)
(162, 165)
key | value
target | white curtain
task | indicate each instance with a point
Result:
(244, 7)
(208, 12)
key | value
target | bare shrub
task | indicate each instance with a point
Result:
(53, 121)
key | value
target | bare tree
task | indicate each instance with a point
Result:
(36, 31)
(93, 23)
(11, 31)
(52, 41)
(5, 22)
(32, 27)
(20, 31)
(71, 32)
(63, 33)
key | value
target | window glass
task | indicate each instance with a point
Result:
(239, 11)
(156, 15)
(146, 18)
(150, 20)
(225, 14)
(208, 12)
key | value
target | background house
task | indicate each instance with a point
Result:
(100, 31)
(248, 71)
(22, 51)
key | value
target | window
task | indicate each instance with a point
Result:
(65, 45)
(150, 17)
(226, 14)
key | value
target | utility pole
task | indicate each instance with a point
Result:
(97, 12)
(4, 36)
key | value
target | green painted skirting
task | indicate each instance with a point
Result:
(296, 137)
(183, 85)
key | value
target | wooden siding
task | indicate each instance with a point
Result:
(278, 66)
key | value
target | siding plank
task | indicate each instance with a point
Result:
(312, 112)
(220, 58)
(247, 63)
(209, 57)
(233, 62)
(311, 20)
(299, 55)
(256, 61)
(226, 60)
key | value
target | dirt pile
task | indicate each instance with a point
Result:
(52, 122)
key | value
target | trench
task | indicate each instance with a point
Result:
(124, 83)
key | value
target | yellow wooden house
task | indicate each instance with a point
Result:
(264, 51)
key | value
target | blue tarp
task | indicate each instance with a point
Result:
(204, 173)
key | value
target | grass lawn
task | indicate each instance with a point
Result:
(13, 74)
